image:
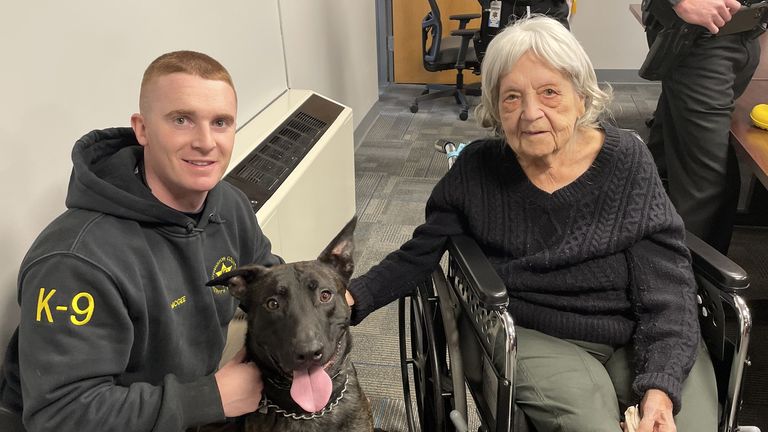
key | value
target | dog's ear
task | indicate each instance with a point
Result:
(237, 280)
(339, 252)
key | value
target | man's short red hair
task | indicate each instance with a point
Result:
(190, 62)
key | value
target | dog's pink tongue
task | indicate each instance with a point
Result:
(311, 388)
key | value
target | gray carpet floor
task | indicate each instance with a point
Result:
(397, 167)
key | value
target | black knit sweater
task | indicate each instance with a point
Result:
(602, 259)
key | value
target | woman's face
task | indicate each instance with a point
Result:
(538, 107)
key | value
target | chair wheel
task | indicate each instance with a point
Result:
(463, 115)
(414, 108)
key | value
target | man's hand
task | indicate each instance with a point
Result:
(656, 412)
(240, 386)
(711, 14)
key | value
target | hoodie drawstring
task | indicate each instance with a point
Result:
(192, 228)
(212, 218)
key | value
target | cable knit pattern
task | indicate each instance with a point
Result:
(602, 260)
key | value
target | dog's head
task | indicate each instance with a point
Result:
(298, 317)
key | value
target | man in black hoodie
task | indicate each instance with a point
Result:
(118, 331)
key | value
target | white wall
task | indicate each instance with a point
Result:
(330, 47)
(610, 34)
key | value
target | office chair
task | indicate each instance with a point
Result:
(444, 53)
(455, 331)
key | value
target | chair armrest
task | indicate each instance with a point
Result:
(464, 32)
(463, 19)
(480, 275)
(716, 267)
(466, 36)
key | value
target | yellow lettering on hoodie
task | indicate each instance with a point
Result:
(87, 311)
(178, 302)
(42, 304)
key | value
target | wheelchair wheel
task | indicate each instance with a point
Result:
(428, 359)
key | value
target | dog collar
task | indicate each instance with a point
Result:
(267, 405)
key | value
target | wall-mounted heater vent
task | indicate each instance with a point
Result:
(296, 165)
(278, 156)
(267, 167)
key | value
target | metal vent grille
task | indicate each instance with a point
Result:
(273, 160)
(269, 164)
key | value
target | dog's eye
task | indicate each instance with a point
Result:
(326, 296)
(272, 304)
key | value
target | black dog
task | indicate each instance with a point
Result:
(298, 335)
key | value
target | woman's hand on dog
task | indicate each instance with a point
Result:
(240, 386)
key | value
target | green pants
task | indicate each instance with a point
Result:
(565, 385)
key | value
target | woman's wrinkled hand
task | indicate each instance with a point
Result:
(350, 299)
(656, 412)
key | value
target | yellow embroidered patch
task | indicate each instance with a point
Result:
(82, 313)
(223, 265)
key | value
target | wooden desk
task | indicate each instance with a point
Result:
(749, 141)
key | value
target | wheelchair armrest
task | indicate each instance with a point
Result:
(716, 267)
(480, 275)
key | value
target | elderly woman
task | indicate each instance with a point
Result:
(573, 216)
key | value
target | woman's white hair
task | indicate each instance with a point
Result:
(552, 42)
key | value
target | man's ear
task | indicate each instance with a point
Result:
(238, 280)
(139, 128)
(339, 252)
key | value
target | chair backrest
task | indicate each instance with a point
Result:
(431, 33)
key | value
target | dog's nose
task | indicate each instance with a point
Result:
(314, 354)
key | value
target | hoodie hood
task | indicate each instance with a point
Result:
(105, 179)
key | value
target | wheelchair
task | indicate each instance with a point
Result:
(456, 334)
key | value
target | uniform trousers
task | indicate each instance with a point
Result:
(689, 137)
